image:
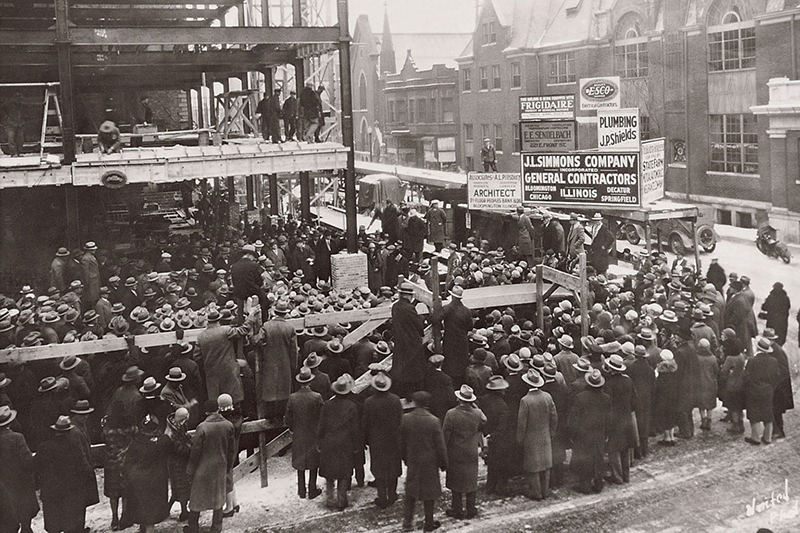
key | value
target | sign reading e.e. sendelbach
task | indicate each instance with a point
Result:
(547, 107)
(592, 179)
(493, 190)
(551, 136)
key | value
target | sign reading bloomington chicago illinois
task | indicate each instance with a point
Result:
(553, 136)
(618, 129)
(547, 107)
(587, 179)
(600, 93)
(493, 190)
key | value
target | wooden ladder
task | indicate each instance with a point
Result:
(51, 128)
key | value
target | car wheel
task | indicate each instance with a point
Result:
(676, 244)
(706, 238)
(709, 249)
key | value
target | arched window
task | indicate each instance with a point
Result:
(364, 144)
(731, 36)
(362, 92)
(631, 54)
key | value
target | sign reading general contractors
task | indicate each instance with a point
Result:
(487, 190)
(600, 93)
(555, 136)
(618, 129)
(652, 176)
(590, 179)
(547, 107)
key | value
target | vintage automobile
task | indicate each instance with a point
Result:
(676, 234)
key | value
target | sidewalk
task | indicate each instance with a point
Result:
(745, 235)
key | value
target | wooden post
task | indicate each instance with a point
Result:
(251, 192)
(274, 198)
(201, 112)
(539, 296)
(262, 437)
(305, 196)
(584, 295)
(696, 246)
(437, 303)
(64, 51)
(351, 228)
(647, 243)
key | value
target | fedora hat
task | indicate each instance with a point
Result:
(47, 384)
(62, 252)
(149, 386)
(186, 348)
(7, 415)
(381, 382)
(436, 359)
(669, 316)
(497, 383)
(594, 378)
(62, 424)
(457, 292)
(466, 394)
(82, 407)
(320, 331)
(313, 360)
(614, 363)
(646, 334)
(566, 341)
(130, 282)
(628, 348)
(335, 346)
(118, 308)
(769, 333)
(549, 370)
(304, 375)
(50, 317)
(583, 365)
(6, 325)
(343, 385)
(175, 374)
(132, 374)
(4, 380)
(533, 378)
(764, 345)
(118, 325)
(382, 348)
(406, 288)
(214, 316)
(69, 362)
(90, 246)
(640, 351)
(281, 308)
(513, 363)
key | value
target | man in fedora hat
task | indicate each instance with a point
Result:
(408, 363)
(338, 440)
(760, 378)
(66, 479)
(424, 451)
(44, 411)
(174, 393)
(277, 352)
(383, 414)
(525, 235)
(108, 138)
(440, 387)
(302, 419)
(601, 242)
(58, 270)
(783, 397)
(334, 364)
(321, 382)
(16, 471)
(687, 374)
(642, 373)
(91, 276)
(575, 237)
(456, 319)
(566, 358)
(738, 313)
(494, 406)
(437, 221)
(537, 423)
(78, 388)
(589, 422)
(246, 278)
(462, 436)
(622, 433)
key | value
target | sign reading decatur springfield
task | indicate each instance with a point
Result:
(590, 179)
(547, 107)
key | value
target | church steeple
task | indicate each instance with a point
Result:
(388, 60)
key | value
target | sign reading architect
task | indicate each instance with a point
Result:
(591, 179)
(556, 136)
(547, 107)
(600, 93)
(495, 191)
(618, 129)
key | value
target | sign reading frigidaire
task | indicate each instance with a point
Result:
(547, 107)
(576, 180)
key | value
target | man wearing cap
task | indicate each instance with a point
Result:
(91, 275)
(383, 414)
(462, 436)
(302, 419)
(424, 451)
(58, 270)
(338, 440)
(437, 220)
(488, 156)
(246, 278)
(537, 423)
(16, 472)
(589, 423)
(278, 354)
(408, 363)
(456, 319)
(494, 406)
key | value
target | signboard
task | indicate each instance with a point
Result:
(652, 175)
(580, 180)
(547, 107)
(114, 179)
(600, 93)
(348, 271)
(618, 129)
(554, 136)
(487, 190)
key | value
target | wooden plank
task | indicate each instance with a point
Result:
(278, 443)
(584, 293)
(436, 307)
(254, 426)
(362, 331)
(364, 379)
(358, 315)
(502, 295)
(539, 297)
(568, 281)
(248, 466)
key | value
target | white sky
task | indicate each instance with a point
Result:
(417, 16)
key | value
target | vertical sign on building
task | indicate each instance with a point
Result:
(652, 174)
(618, 129)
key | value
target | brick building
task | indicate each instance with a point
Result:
(698, 70)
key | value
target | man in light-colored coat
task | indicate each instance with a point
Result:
(525, 234)
(437, 220)
(575, 237)
(91, 276)
(536, 427)
(277, 353)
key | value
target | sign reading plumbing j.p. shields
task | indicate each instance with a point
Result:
(590, 179)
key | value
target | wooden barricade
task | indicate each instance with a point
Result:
(578, 284)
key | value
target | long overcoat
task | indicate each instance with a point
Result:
(687, 373)
(462, 436)
(302, 418)
(65, 478)
(707, 380)
(783, 399)
(278, 358)
(644, 382)
(737, 316)
(91, 277)
(146, 474)
(457, 320)
(525, 235)
(408, 363)
(761, 376)
(338, 438)
(209, 462)
(501, 442)
(424, 452)
(537, 424)
(622, 435)
(777, 306)
(440, 385)
(589, 424)
(219, 363)
(382, 417)
(437, 219)
(16, 472)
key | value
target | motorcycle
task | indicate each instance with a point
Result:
(768, 244)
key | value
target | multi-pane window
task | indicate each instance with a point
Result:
(484, 131)
(562, 67)
(422, 110)
(468, 133)
(632, 60)
(644, 127)
(734, 144)
(447, 110)
(517, 139)
(495, 76)
(516, 76)
(390, 111)
(401, 111)
(483, 73)
(498, 137)
(466, 79)
(470, 163)
(732, 49)
(489, 33)
(432, 110)
(412, 118)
